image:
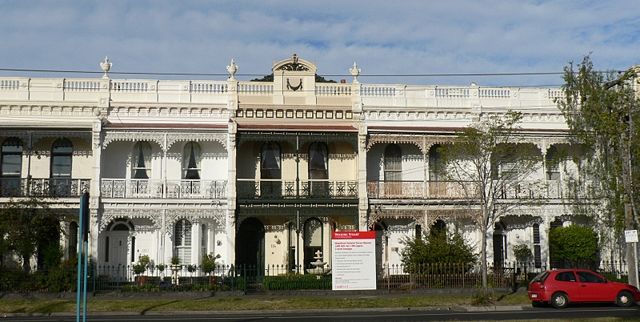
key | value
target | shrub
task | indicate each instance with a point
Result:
(573, 246)
(522, 253)
(297, 282)
(209, 263)
(141, 265)
(437, 248)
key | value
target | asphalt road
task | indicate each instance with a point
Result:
(362, 315)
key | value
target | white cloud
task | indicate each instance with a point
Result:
(384, 37)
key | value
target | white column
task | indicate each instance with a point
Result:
(363, 200)
(94, 190)
(195, 243)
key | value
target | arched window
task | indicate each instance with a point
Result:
(191, 161)
(10, 167)
(61, 154)
(141, 161)
(393, 163)
(182, 241)
(313, 239)
(438, 227)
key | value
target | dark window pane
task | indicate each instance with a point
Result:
(11, 165)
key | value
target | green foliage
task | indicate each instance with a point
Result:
(161, 267)
(297, 282)
(523, 253)
(175, 260)
(209, 263)
(438, 247)
(573, 246)
(141, 265)
(29, 224)
(601, 109)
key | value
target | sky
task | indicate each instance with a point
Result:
(383, 37)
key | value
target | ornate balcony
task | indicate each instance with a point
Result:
(43, 187)
(281, 190)
(550, 189)
(163, 189)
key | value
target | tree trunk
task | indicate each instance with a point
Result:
(483, 259)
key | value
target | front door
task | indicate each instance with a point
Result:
(250, 247)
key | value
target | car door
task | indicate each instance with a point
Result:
(594, 288)
(565, 281)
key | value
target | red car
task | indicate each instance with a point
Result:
(563, 286)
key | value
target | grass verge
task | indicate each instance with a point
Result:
(248, 303)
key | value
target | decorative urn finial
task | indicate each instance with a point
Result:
(106, 66)
(232, 68)
(355, 72)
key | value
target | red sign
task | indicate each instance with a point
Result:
(353, 235)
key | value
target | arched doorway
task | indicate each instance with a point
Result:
(116, 243)
(313, 240)
(250, 244)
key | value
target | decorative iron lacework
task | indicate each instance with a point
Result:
(423, 142)
(193, 215)
(108, 215)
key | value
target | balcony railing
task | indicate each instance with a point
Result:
(275, 189)
(550, 189)
(166, 189)
(43, 187)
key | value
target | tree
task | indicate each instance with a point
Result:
(438, 247)
(601, 109)
(488, 163)
(30, 226)
(573, 246)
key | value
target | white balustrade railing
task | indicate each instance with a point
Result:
(129, 86)
(377, 90)
(333, 89)
(494, 92)
(208, 87)
(255, 88)
(167, 189)
(452, 92)
(81, 85)
(9, 84)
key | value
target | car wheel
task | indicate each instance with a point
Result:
(559, 300)
(624, 299)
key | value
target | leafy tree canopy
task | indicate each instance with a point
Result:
(573, 246)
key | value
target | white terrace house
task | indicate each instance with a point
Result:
(261, 172)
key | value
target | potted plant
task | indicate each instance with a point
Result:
(140, 267)
(175, 268)
(208, 266)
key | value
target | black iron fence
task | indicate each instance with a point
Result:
(246, 278)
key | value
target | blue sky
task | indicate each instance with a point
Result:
(383, 37)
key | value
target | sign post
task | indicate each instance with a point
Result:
(353, 260)
(83, 254)
(631, 237)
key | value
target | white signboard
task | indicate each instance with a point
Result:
(353, 260)
(631, 236)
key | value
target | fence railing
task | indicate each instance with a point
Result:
(290, 189)
(169, 189)
(43, 187)
(285, 277)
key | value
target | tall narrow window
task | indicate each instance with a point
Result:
(270, 161)
(270, 173)
(537, 254)
(182, 241)
(141, 157)
(319, 169)
(553, 164)
(10, 167)
(191, 161)
(61, 154)
(435, 163)
(392, 163)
